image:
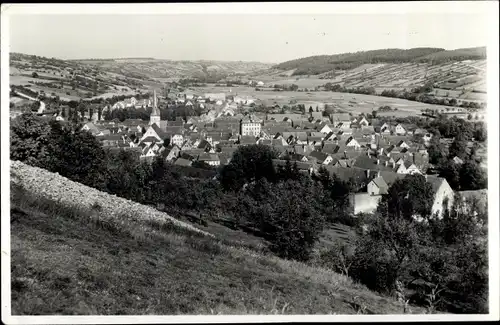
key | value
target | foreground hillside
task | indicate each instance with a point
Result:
(76, 250)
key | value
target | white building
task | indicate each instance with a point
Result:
(250, 126)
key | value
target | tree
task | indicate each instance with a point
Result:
(29, 138)
(76, 154)
(285, 216)
(248, 164)
(384, 255)
(82, 108)
(311, 109)
(479, 134)
(408, 197)
(451, 172)
(472, 177)
(34, 75)
(458, 147)
(99, 112)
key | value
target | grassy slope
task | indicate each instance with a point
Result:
(66, 261)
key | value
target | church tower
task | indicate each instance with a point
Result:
(155, 114)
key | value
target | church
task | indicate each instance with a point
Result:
(159, 129)
(155, 115)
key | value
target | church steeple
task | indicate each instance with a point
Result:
(155, 113)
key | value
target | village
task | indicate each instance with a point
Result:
(359, 149)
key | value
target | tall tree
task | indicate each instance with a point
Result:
(408, 197)
(472, 177)
(29, 138)
(458, 147)
(248, 164)
(451, 172)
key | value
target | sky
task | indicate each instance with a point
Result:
(238, 37)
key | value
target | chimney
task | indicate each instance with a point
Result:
(345, 154)
(393, 164)
(378, 161)
(367, 173)
(378, 173)
(386, 163)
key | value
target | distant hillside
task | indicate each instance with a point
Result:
(315, 65)
(156, 68)
(473, 53)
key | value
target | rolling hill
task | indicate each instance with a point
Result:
(459, 73)
(315, 65)
(157, 68)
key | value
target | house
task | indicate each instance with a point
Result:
(183, 162)
(248, 140)
(111, 140)
(91, 127)
(203, 145)
(170, 153)
(298, 157)
(321, 157)
(351, 142)
(143, 103)
(380, 184)
(358, 177)
(153, 133)
(408, 167)
(363, 122)
(402, 144)
(443, 194)
(148, 151)
(338, 118)
(250, 125)
(211, 159)
(400, 129)
(177, 139)
(303, 167)
(325, 128)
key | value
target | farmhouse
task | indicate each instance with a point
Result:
(443, 193)
(211, 159)
(321, 157)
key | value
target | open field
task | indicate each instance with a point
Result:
(71, 259)
(356, 103)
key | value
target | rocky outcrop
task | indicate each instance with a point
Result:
(57, 188)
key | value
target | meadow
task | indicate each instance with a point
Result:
(355, 103)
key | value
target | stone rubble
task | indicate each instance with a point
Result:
(72, 194)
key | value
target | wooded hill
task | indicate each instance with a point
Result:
(323, 63)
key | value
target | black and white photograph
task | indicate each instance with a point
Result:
(249, 161)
